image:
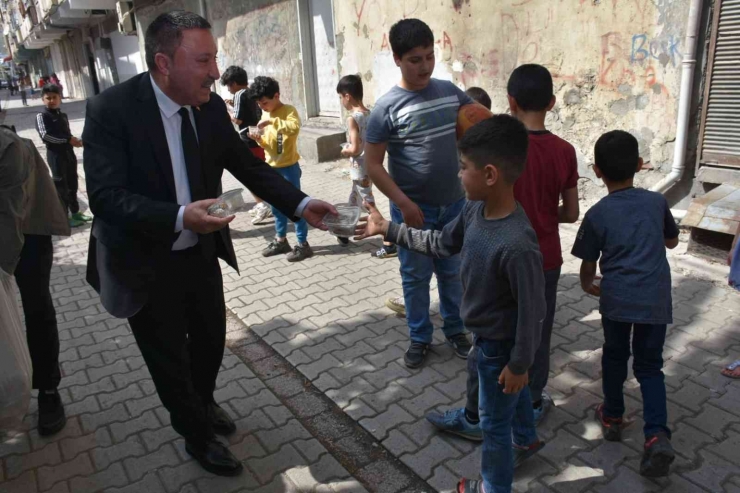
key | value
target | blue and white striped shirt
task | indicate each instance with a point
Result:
(419, 128)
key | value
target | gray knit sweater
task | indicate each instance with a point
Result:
(501, 273)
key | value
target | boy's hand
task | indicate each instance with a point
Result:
(412, 215)
(512, 383)
(374, 224)
(230, 102)
(345, 153)
(255, 137)
(263, 124)
(75, 142)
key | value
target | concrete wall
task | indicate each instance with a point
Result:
(259, 35)
(616, 63)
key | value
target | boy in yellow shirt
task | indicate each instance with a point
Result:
(280, 125)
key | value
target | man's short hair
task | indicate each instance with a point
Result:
(502, 141)
(479, 96)
(51, 89)
(236, 75)
(407, 34)
(263, 86)
(352, 85)
(531, 87)
(164, 34)
(617, 154)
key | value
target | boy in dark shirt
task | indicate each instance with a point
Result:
(551, 174)
(53, 127)
(503, 300)
(628, 231)
(245, 113)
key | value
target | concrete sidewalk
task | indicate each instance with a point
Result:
(325, 317)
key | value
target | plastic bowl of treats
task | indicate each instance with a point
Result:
(345, 222)
(228, 204)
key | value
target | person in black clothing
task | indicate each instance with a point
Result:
(53, 127)
(28, 219)
(246, 113)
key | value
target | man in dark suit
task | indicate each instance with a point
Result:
(155, 149)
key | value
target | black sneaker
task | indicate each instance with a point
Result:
(461, 344)
(51, 412)
(344, 241)
(658, 456)
(386, 251)
(276, 248)
(416, 354)
(612, 427)
(300, 252)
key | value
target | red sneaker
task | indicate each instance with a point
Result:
(612, 427)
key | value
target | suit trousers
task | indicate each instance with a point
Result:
(181, 332)
(32, 274)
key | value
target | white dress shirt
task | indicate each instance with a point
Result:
(172, 122)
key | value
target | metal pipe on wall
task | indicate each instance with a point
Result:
(688, 64)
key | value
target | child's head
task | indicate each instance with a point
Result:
(493, 154)
(349, 89)
(530, 89)
(234, 78)
(617, 157)
(479, 96)
(266, 91)
(51, 95)
(412, 43)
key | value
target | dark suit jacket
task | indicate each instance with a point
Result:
(131, 188)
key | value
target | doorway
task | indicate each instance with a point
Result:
(320, 66)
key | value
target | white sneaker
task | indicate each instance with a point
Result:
(254, 210)
(262, 214)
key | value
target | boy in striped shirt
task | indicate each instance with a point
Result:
(415, 124)
(53, 127)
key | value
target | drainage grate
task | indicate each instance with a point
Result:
(709, 244)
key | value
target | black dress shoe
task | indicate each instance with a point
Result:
(51, 412)
(214, 457)
(220, 420)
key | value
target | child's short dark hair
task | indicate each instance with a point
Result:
(236, 75)
(352, 85)
(502, 141)
(617, 154)
(407, 34)
(479, 96)
(51, 89)
(531, 87)
(263, 86)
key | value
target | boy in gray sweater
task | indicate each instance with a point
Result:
(503, 300)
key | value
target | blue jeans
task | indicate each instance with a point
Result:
(416, 274)
(293, 175)
(502, 416)
(647, 347)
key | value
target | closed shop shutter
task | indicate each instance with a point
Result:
(720, 144)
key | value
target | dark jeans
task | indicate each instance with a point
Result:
(181, 333)
(503, 417)
(647, 348)
(32, 276)
(63, 164)
(539, 372)
(416, 274)
(23, 97)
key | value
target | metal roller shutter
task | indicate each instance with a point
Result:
(720, 144)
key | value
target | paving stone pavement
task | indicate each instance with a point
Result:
(326, 317)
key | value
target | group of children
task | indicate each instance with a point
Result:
(520, 182)
(488, 229)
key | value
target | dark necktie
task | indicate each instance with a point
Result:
(191, 153)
